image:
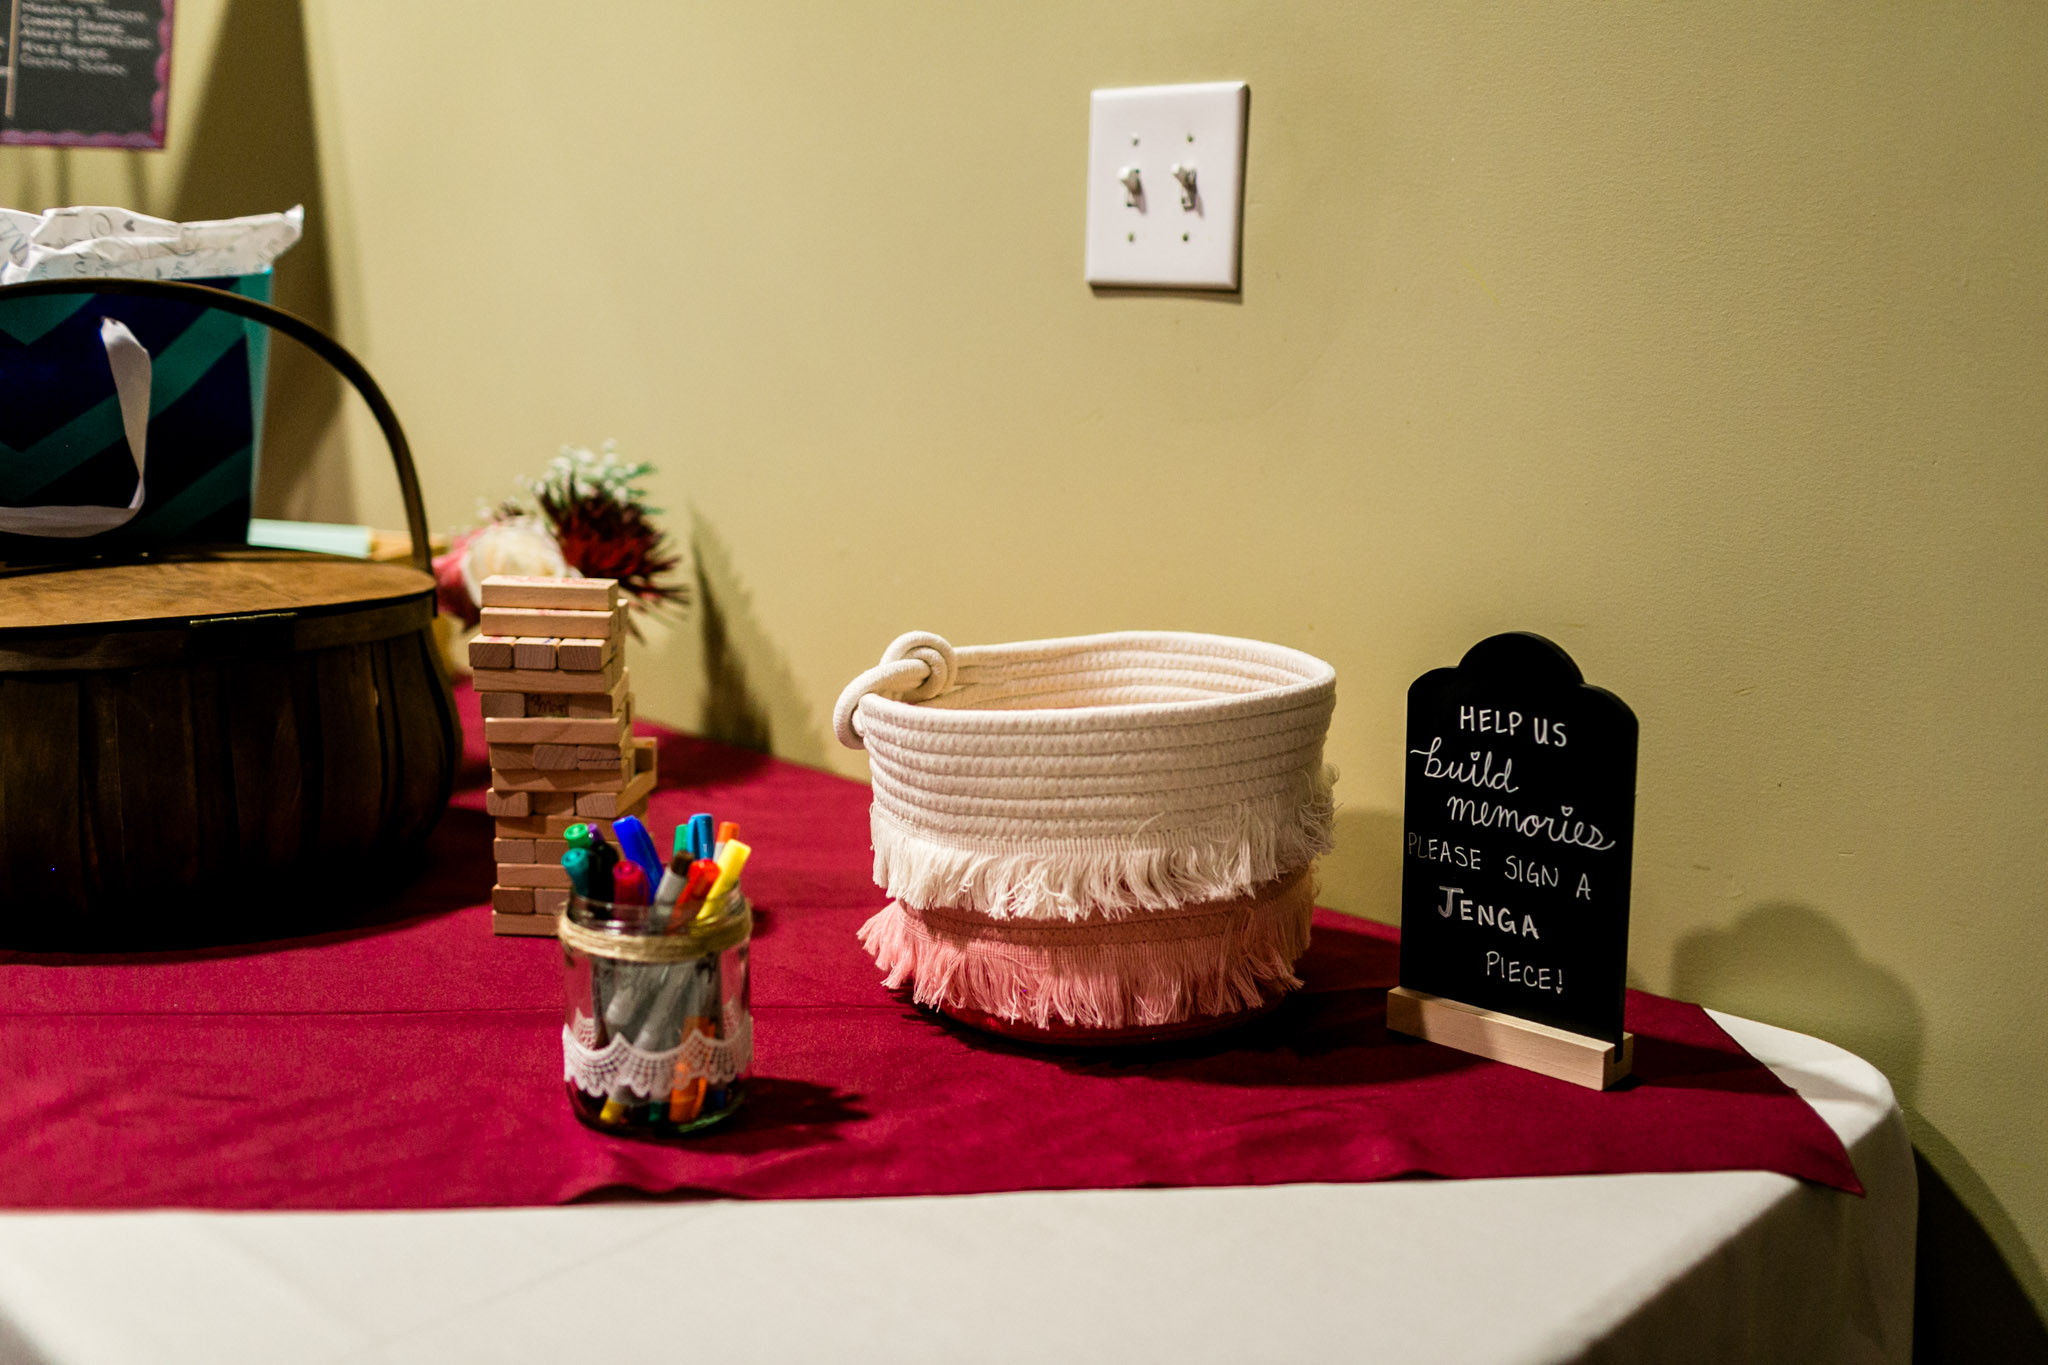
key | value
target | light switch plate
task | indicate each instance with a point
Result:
(1153, 238)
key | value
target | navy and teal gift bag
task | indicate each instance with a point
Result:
(61, 437)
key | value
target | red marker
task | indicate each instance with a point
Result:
(703, 875)
(629, 883)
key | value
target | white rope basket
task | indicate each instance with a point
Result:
(1101, 775)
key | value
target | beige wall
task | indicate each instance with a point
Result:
(1710, 341)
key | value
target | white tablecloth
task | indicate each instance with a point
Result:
(1726, 1266)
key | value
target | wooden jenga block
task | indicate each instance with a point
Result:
(538, 780)
(546, 681)
(529, 651)
(533, 874)
(529, 926)
(582, 656)
(517, 757)
(513, 851)
(617, 700)
(553, 802)
(502, 705)
(549, 901)
(553, 827)
(549, 850)
(571, 594)
(566, 625)
(504, 804)
(611, 805)
(512, 900)
(490, 651)
(556, 730)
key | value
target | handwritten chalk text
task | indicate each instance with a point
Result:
(1524, 973)
(1461, 906)
(1477, 772)
(1433, 850)
(1559, 828)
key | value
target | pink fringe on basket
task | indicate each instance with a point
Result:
(1144, 970)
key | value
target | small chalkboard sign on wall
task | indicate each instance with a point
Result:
(1517, 839)
(85, 73)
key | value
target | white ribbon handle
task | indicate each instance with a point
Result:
(130, 364)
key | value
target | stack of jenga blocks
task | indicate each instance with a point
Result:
(551, 673)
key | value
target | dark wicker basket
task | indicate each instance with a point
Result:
(178, 729)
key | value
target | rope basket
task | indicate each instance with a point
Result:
(1105, 832)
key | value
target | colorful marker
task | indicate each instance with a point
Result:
(629, 884)
(603, 858)
(576, 862)
(635, 843)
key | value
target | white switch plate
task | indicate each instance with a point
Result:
(1155, 242)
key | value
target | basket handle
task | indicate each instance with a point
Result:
(299, 330)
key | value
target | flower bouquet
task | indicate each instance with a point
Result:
(586, 517)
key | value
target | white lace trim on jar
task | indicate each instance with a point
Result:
(650, 1075)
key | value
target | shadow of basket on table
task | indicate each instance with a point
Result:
(340, 903)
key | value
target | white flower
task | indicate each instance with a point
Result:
(517, 545)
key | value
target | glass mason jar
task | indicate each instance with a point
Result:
(657, 1035)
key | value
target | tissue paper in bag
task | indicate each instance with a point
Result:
(62, 441)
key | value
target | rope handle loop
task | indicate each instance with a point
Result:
(916, 666)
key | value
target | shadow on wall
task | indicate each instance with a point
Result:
(1968, 1303)
(1362, 874)
(254, 150)
(1790, 965)
(750, 695)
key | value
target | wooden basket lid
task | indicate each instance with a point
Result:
(199, 603)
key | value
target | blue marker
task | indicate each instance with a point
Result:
(638, 845)
(701, 835)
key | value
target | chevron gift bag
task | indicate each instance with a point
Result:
(129, 423)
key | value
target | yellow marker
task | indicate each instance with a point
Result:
(732, 859)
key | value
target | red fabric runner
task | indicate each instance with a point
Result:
(415, 1062)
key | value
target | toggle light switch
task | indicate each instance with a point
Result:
(1191, 135)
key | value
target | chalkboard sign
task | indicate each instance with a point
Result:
(80, 73)
(1521, 792)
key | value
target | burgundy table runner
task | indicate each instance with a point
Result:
(415, 1062)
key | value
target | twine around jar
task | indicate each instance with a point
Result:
(682, 946)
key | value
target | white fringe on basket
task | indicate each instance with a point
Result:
(1095, 776)
(1212, 959)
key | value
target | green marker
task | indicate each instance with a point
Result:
(576, 862)
(579, 836)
